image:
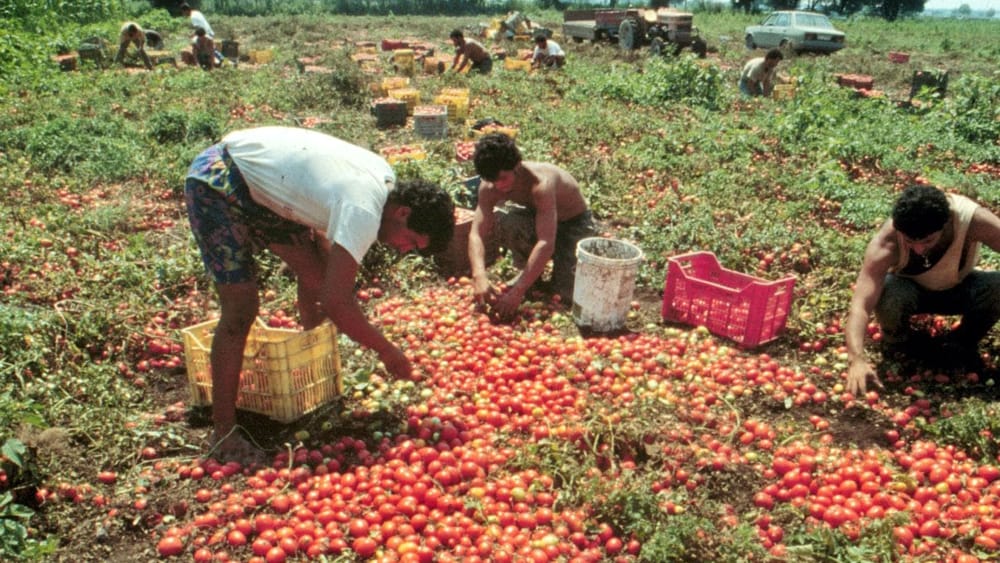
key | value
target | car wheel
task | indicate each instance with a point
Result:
(750, 44)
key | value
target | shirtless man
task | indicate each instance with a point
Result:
(545, 217)
(923, 260)
(132, 33)
(470, 51)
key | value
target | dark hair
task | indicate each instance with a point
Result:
(132, 28)
(184, 6)
(199, 31)
(920, 211)
(457, 33)
(775, 54)
(540, 38)
(495, 152)
(432, 212)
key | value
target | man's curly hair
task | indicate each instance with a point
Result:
(920, 211)
(432, 211)
(495, 152)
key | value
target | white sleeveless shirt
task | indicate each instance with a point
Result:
(950, 269)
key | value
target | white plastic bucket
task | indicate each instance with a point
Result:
(604, 283)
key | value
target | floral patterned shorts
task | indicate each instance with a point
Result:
(229, 226)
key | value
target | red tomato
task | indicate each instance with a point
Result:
(763, 500)
(358, 527)
(365, 547)
(275, 555)
(170, 546)
(986, 542)
(236, 538)
(261, 546)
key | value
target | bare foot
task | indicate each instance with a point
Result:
(234, 447)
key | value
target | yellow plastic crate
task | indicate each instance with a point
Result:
(783, 91)
(516, 64)
(394, 83)
(458, 108)
(262, 56)
(457, 93)
(409, 95)
(403, 56)
(285, 374)
(403, 153)
(435, 65)
(509, 131)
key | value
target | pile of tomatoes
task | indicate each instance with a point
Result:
(442, 489)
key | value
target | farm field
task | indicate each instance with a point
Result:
(528, 441)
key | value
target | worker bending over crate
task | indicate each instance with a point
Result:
(318, 203)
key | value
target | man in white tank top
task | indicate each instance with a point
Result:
(923, 260)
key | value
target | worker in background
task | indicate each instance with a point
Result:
(760, 73)
(547, 54)
(198, 20)
(470, 51)
(132, 33)
(204, 49)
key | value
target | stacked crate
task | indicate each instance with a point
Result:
(389, 112)
(431, 122)
(457, 100)
(409, 95)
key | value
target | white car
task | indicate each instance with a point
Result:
(799, 31)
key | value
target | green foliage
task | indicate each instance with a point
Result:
(177, 126)
(35, 12)
(821, 544)
(14, 520)
(973, 426)
(19, 329)
(15, 541)
(973, 109)
(663, 81)
(90, 147)
(169, 126)
(23, 60)
(348, 7)
(696, 536)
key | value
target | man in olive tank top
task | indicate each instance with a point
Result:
(923, 260)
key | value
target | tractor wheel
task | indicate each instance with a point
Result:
(656, 46)
(628, 35)
(700, 47)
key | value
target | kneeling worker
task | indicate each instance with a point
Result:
(470, 51)
(132, 33)
(923, 260)
(547, 53)
(759, 74)
(546, 217)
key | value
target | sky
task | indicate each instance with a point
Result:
(978, 5)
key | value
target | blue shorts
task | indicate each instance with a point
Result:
(229, 226)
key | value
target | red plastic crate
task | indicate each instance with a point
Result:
(741, 307)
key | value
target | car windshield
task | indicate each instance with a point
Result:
(813, 20)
